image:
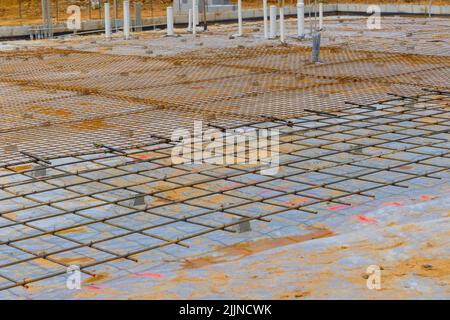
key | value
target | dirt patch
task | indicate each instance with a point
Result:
(92, 124)
(50, 111)
(245, 249)
(101, 276)
(21, 168)
(79, 229)
(75, 260)
(436, 268)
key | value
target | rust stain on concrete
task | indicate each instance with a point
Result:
(244, 249)
(92, 124)
(101, 276)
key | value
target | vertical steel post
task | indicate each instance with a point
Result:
(126, 19)
(189, 20)
(265, 22)
(115, 14)
(239, 18)
(169, 21)
(273, 22)
(300, 19)
(310, 18)
(320, 16)
(194, 17)
(107, 21)
(282, 22)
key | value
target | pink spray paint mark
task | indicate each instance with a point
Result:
(363, 218)
(93, 287)
(142, 157)
(338, 207)
(395, 204)
(147, 274)
(426, 197)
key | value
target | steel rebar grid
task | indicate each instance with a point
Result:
(340, 163)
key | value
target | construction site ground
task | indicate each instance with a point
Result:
(87, 179)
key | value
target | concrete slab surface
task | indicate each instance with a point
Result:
(88, 178)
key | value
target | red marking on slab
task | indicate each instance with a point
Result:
(142, 157)
(93, 287)
(363, 218)
(146, 274)
(338, 207)
(426, 197)
(395, 204)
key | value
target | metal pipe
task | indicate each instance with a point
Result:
(310, 19)
(266, 32)
(282, 24)
(197, 13)
(189, 20)
(300, 19)
(115, 14)
(126, 19)
(273, 22)
(169, 21)
(315, 15)
(194, 17)
(107, 21)
(320, 16)
(240, 17)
